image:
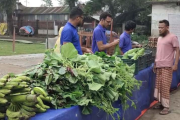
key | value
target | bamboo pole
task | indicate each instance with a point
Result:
(111, 38)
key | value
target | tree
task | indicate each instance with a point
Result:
(48, 3)
(122, 10)
(71, 3)
(8, 6)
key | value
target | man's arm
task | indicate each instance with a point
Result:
(86, 50)
(136, 46)
(65, 42)
(121, 52)
(175, 66)
(102, 47)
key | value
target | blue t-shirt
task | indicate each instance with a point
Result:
(125, 42)
(98, 35)
(69, 34)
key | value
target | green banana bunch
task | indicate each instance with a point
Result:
(24, 102)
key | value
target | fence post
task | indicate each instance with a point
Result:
(37, 27)
(21, 23)
(47, 34)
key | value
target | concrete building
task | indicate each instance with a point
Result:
(165, 9)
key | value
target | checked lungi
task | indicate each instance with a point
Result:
(163, 83)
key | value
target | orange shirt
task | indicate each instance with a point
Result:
(166, 50)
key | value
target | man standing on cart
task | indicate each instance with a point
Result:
(167, 49)
(99, 42)
(69, 32)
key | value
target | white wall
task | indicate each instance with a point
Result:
(162, 11)
(51, 42)
(44, 32)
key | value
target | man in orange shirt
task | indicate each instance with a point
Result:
(167, 49)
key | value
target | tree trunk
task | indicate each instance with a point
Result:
(9, 23)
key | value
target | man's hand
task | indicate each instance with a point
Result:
(88, 51)
(114, 34)
(174, 67)
(139, 45)
(116, 41)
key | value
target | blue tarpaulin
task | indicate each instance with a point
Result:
(143, 98)
(26, 30)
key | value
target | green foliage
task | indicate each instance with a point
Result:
(85, 80)
(139, 38)
(7, 5)
(20, 48)
(122, 10)
(48, 3)
(71, 3)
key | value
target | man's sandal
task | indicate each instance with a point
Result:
(158, 107)
(165, 111)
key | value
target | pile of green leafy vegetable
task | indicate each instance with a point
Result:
(134, 53)
(85, 80)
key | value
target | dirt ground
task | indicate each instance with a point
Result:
(19, 63)
(152, 114)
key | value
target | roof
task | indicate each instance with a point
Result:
(95, 17)
(163, 1)
(43, 10)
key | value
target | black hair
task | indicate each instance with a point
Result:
(104, 15)
(166, 22)
(130, 25)
(75, 12)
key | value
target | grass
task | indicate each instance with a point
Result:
(20, 48)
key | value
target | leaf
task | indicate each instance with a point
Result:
(119, 82)
(55, 77)
(62, 71)
(95, 86)
(68, 51)
(84, 101)
(54, 62)
(86, 110)
(93, 57)
(71, 79)
(113, 75)
(107, 75)
(75, 72)
(48, 79)
(94, 66)
(57, 88)
(102, 77)
(89, 77)
(40, 73)
(133, 105)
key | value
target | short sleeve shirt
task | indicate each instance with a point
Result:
(166, 50)
(125, 42)
(98, 35)
(69, 34)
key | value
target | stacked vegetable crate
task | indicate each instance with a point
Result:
(152, 42)
(152, 45)
(149, 58)
(141, 63)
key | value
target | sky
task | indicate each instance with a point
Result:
(37, 3)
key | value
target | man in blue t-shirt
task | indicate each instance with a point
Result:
(125, 38)
(99, 42)
(69, 32)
